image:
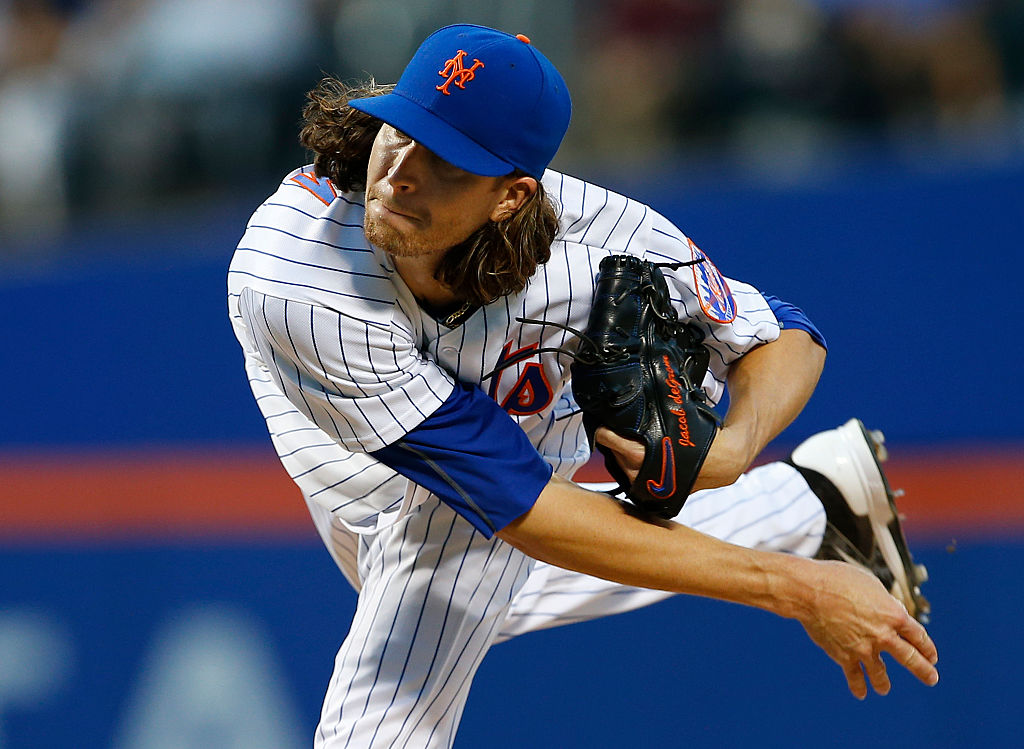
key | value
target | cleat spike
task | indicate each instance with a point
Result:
(877, 441)
(897, 493)
(922, 573)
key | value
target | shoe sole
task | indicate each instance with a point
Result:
(869, 449)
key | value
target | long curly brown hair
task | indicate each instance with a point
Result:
(496, 260)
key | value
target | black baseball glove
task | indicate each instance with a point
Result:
(638, 371)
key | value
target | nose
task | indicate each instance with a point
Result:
(406, 170)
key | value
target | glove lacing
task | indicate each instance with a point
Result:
(589, 352)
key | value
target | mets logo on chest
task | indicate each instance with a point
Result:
(712, 290)
(454, 71)
(531, 392)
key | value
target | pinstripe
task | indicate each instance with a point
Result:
(372, 578)
(591, 224)
(583, 206)
(611, 232)
(480, 582)
(290, 431)
(298, 285)
(392, 578)
(354, 499)
(328, 219)
(298, 370)
(488, 638)
(306, 239)
(762, 518)
(298, 450)
(320, 465)
(638, 225)
(320, 362)
(433, 660)
(419, 621)
(458, 699)
(349, 477)
(317, 266)
(798, 528)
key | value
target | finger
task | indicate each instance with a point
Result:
(629, 453)
(916, 662)
(615, 441)
(877, 674)
(855, 681)
(913, 632)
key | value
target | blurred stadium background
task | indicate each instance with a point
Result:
(160, 584)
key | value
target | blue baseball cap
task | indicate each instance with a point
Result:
(483, 100)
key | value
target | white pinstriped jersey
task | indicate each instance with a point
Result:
(342, 360)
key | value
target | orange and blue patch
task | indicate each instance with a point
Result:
(321, 187)
(531, 393)
(712, 290)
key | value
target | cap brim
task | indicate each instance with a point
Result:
(434, 133)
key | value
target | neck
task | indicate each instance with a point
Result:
(418, 274)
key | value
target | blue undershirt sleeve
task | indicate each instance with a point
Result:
(790, 316)
(472, 455)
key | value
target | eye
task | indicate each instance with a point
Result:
(445, 169)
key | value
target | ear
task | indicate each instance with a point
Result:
(514, 193)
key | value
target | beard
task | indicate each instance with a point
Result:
(413, 242)
(389, 239)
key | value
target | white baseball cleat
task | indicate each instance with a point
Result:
(843, 467)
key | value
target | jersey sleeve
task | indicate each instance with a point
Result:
(790, 316)
(474, 457)
(362, 382)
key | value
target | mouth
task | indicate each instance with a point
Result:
(395, 210)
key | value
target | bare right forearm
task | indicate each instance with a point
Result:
(845, 610)
(592, 533)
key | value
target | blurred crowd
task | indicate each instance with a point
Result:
(125, 105)
(780, 84)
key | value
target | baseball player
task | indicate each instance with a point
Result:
(403, 305)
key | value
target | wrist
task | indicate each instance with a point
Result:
(739, 444)
(791, 587)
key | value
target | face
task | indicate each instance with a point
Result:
(418, 204)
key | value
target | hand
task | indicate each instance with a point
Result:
(854, 620)
(726, 461)
(629, 452)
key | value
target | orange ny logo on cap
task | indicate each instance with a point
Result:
(455, 72)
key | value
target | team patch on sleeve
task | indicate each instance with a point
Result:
(323, 188)
(712, 290)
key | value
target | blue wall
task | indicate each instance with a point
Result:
(252, 630)
(122, 340)
(913, 278)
